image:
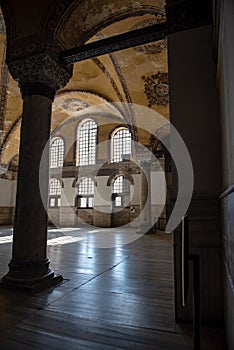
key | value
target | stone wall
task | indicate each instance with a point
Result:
(6, 215)
(101, 218)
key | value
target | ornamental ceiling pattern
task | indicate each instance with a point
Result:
(157, 89)
(117, 77)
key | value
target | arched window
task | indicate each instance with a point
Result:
(87, 140)
(55, 193)
(85, 197)
(57, 153)
(121, 191)
(121, 145)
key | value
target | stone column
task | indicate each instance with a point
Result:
(39, 77)
(145, 204)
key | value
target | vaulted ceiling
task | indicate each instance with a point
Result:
(136, 75)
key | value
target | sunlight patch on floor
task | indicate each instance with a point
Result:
(63, 240)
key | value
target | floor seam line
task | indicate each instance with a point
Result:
(84, 283)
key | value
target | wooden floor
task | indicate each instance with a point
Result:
(112, 298)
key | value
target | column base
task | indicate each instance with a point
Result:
(31, 276)
(32, 285)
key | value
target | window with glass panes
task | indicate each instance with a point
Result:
(55, 193)
(121, 191)
(85, 198)
(121, 145)
(57, 153)
(87, 136)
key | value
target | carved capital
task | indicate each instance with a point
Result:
(40, 74)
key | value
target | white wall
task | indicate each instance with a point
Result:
(135, 191)
(102, 194)
(158, 188)
(68, 193)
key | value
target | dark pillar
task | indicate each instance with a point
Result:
(29, 267)
(194, 112)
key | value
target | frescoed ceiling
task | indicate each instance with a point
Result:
(137, 75)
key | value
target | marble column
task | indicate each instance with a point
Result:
(145, 204)
(29, 266)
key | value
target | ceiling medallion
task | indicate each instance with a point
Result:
(74, 104)
(157, 89)
(156, 47)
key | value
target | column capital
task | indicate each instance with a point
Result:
(40, 74)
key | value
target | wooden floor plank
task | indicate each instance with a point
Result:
(116, 298)
(53, 326)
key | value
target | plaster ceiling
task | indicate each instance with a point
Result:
(125, 76)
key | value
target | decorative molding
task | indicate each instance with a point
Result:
(157, 89)
(134, 10)
(128, 110)
(125, 167)
(40, 69)
(115, 43)
(129, 114)
(119, 74)
(109, 77)
(74, 104)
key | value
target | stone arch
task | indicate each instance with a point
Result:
(54, 177)
(97, 15)
(77, 179)
(62, 24)
(112, 134)
(118, 173)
